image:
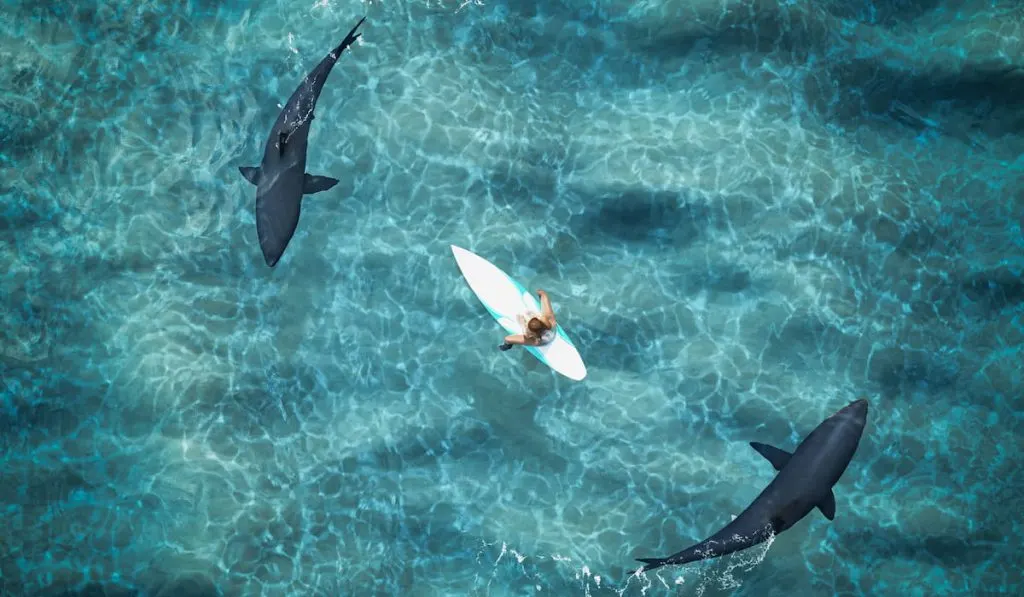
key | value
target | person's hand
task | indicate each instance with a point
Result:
(540, 292)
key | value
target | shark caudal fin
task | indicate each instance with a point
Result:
(349, 39)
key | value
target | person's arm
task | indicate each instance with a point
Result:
(522, 340)
(545, 308)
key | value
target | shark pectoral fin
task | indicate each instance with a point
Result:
(774, 455)
(828, 506)
(251, 173)
(316, 184)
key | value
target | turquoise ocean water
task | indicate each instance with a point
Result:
(747, 213)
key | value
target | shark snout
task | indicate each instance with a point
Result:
(856, 410)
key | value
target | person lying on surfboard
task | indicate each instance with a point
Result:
(538, 328)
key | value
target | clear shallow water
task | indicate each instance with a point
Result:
(746, 217)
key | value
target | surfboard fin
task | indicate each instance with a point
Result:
(776, 456)
(251, 173)
(316, 184)
(828, 506)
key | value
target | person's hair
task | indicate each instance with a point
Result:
(537, 326)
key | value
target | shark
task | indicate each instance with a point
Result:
(281, 179)
(804, 482)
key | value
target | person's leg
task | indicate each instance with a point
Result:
(511, 341)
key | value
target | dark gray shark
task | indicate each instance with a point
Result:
(281, 179)
(804, 482)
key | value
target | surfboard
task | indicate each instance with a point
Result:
(505, 298)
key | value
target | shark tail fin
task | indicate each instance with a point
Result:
(652, 563)
(349, 39)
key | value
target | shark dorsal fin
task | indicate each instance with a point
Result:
(285, 135)
(786, 516)
(776, 456)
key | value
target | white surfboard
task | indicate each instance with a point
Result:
(505, 298)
